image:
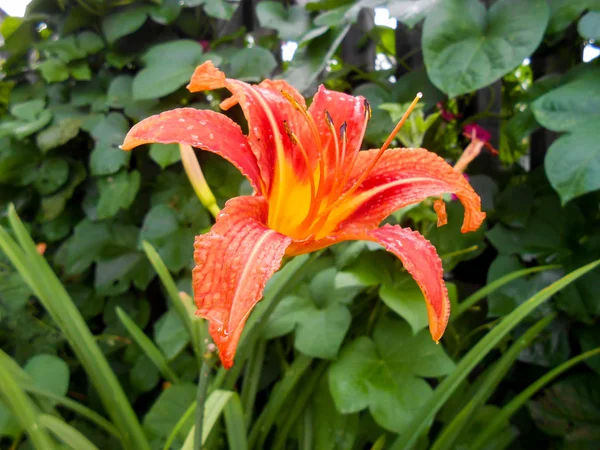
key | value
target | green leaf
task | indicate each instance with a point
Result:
(589, 26)
(165, 154)
(29, 110)
(317, 314)
(170, 334)
(107, 158)
(80, 70)
(291, 22)
(167, 12)
(573, 162)
(443, 391)
(66, 433)
(58, 134)
(90, 42)
(571, 105)
(150, 350)
(22, 130)
(219, 9)
(124, 22)
(448, 240)
(119, 91)
(49, 372)
(51, 175)
(170, 405)
(173, 234)
(564, 12)
(86, 244)
(466, 48)
(53, 70)
(54, 205)
(311, 60)
(144, 375)
(168, 67)
(405, 298)
(332, 430)
(387, 379)
(252, 64)
(117, 192)
(411, 12)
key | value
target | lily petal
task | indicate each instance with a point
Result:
(404, 176)
(418, 256)
(233, 263)
(204, 129)
(342, 108)
(266, 109)
(421, 260)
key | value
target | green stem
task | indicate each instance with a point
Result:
(251, 380)
(24, 410)
(201, 399)
(301, 400)
(280, 393)
(513, 406)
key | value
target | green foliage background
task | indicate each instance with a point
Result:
(78, 74)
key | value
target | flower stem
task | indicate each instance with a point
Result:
(201, 398)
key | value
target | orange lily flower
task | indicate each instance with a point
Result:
(313, 188)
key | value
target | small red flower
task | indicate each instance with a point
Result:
(448, 116)
(313, 188)
(474, 131)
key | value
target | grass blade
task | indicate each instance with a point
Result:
(513, 406)
(148, 347)
(215, 403)
(235, 424)
(423, 416)
(173, 294)
(280, 393)
(448, 436)
(494, 285)
(22, 408)
(66, 433)
(55, 299)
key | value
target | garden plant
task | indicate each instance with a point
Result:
(316, 224)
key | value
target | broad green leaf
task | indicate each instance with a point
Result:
(52, 174)
(165, 154)
(168, 67)
(144, 376)
(124, 22)
(167, 409)
(571, 409)
(49, 372)
(53, 205)
(332, 429)
(65, 49)
(589, 26)
(452, 245)
(53, 70)
(564, 12)
(90, 42)
(170, 334)
(29, 110)
(589, 338)
(252, 64)
(167, 12)
(466, 47)
(80, 70)
(117, 192)
(119, 91)
(387, 379)
(411, 12)
(449, 385)
(58, 134)
(291, 22)
(405, 298)
(107, 158)
(573, 162)
(571, 105)
(86, 244)
(311, 60)
(220, 9)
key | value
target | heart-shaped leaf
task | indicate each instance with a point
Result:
(466, 48)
